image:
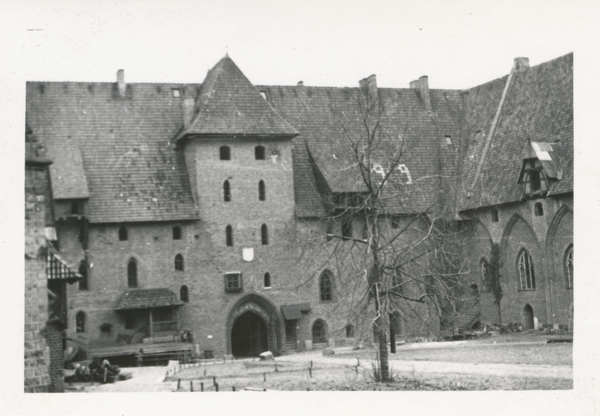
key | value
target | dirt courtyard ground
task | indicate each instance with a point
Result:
(513, 362)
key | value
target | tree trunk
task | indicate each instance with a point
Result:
(392, 322)
(380, 322)
(384, 364)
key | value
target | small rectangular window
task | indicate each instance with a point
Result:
(233, 282)
(176, 92)
(495, 216)
(449, 140)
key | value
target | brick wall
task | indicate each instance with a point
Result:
(546, 237)
(294, 257)
(36, 350)
(206, 256)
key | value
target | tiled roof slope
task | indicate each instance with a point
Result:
(230, 104)
(148, 298)
(328, 117)
(114, 149)
(539, 107)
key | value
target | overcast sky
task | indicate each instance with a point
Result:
(458, 44)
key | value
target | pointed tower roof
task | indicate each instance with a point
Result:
(230, 105)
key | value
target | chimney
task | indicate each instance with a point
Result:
(187, 105)
(521, 64)
(422, 87)
(369, 86)
(300, 83)
(121, 82)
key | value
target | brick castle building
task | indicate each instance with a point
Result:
(187, 208)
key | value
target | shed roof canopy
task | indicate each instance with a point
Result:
(148, 299)
(291, 312)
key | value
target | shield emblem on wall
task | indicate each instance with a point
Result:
(248, 254)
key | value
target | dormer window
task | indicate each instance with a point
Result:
(76, 208)
(541, 164)
(533, 178)
(176, 92)
(449, 140)
(263, 94)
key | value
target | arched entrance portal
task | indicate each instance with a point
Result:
(249, 336)
(528, 317)
(253, 326)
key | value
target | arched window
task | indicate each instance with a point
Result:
(262, 193)
(349, 331)
(132, 274)
(526, 271)
(484, 274)
(179, 262)
(176, 233)
(319, 332)
(259, 153)
(226, 191)
(80, 322)
(184, 294)
(122, 233)
(83, 284)
(534, 179)
(267, 280)
(229, 236)
(495, 216)
(538, 209)
(224, 153)
(264, 234)
(326, 286)
(569, 267)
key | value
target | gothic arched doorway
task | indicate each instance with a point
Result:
(249, 336)
(528, 317)
(253, 326)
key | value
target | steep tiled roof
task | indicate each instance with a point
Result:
(118, 151)
(114, 150)
(538, 108)
(148, 298)
(328, 118)
(230, 104)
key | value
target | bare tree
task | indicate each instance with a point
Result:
(397, 267)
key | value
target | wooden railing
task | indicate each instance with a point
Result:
(164, 326)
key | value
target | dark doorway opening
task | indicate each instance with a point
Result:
(290, 335)
(528, 316)
(249, 336)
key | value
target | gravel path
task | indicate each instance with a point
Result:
(515, 370)
(150, 379)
